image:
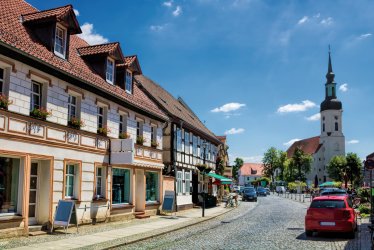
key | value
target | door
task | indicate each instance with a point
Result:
(33, 195)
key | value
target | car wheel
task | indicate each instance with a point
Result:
(309, 233)
(352, 234)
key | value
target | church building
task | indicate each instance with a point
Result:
(331, 141)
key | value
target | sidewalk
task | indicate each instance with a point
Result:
(130, 233)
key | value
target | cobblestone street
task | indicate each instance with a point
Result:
(275, 223)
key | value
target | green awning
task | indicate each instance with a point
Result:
(327, 184)
(222, 179)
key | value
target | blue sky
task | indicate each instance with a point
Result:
(242, 65)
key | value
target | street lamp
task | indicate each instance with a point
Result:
(203, 170)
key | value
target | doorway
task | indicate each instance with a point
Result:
(33, 194)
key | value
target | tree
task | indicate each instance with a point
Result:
(238, 164)
(354, 169)
(270, 161)
(301, 162)
(282, 163)
(337, 168)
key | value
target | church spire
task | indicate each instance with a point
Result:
(330, 75)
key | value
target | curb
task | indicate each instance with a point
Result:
(161, 233)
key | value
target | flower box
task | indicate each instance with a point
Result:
(103, 131)
(4, 102)
(154, 144)
(124, 135)
(76, 123)
(40, 113)
(140, 140)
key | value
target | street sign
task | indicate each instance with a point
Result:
(65, 214)
(369, 164)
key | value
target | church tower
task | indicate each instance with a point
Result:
(331, 138)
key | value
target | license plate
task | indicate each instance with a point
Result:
(327, 223)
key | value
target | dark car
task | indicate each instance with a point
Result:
(267, 191)
(249, 194)
(261, 191)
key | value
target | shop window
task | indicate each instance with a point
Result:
(9, 181)
(151, 186)
(121, 186)
(187, 182)
(72, 181)
(100, 182)
(179, 182)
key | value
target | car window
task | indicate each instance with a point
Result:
(350, 204)
(327, 204)
(249, 190)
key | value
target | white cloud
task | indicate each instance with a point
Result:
(177, 11)
(315, 117)
(303, 20)
(76, 12)
(90, 36)
(343, 87)
(353, 142)
(234, 131)
(232, 106)
(290, 142)
(157, 28)
(297, 107)
(252, 159)
(168, 3)
(327, 21)
(363, 36)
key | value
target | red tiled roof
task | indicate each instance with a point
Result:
(15, 34)
(131, 62)
(59, 14)
(252, 169)
(309, 146)
(107, 48)
(175, 107)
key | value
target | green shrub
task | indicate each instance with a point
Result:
(364, 209)
(364, 194)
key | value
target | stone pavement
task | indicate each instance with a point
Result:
(133, 233)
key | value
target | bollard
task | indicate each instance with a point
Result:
(299, 197)
(303, 198)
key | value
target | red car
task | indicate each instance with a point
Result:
(331, 214)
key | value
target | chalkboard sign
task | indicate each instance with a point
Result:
(168, 204)
(65, 214)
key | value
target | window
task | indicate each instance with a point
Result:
(100, 182)
(121, 186)
(179, 140)
(328, 204)
(154, 134)
(323, 127)
(122, 124)
(194, 145)
(36, 95)
(186, 142)
(1, 80)
(151, 180)
(70, 179)
(128, 82)
(100, 117)
(179, 182)
(9, 180)
(336, 126)
(109, 70)
(72, 107)
(60, 42)
(188, 181)
(139, 129)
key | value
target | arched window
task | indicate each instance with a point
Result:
(336, 126)
(323, 127)
(333, 91)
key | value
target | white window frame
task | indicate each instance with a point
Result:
(32, 94)
(179, 182)
(74, 176)
(71, 105)
(139, 128)
(109, 61)
(122, 123)
(102, 115)
(100, 194)
(154, 133)
(64, 33)
(128, 81)
(187, 179)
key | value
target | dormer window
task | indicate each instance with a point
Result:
(128, 82)
(60, 41)
(110, 70)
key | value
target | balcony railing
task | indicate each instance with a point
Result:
(125, 151)
(23, 127)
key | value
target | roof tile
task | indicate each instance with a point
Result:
(309, 146)
(252, 169)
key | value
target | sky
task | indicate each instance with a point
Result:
(253, 70)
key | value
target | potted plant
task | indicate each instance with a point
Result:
(140, 140)
(201, 167)
(40, 113)
(124, 135)
(4, 102)
(103, 131)
(76, 123)
(154, 144)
